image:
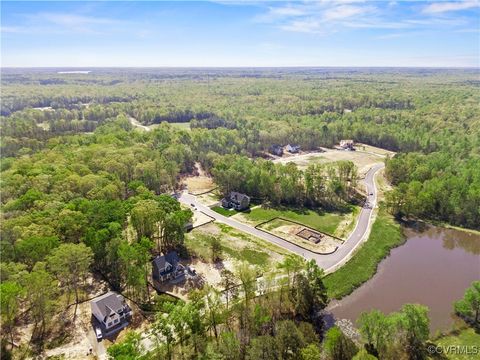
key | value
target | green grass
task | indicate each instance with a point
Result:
(325, 222)
(199, 244)
(225, 212)
(182, 125)
(385, 235)
(466, 337)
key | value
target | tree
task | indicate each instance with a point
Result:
(262, 348)
(339, 346)
(375, 329)
(469, 306)
(229, 346)
(71, 225)
(163, 329)
(70, 264)
(215, 249)
(134, 259)
(413, 325)
(144, 216)
(40, 295)
(214, 309)
(364, 355)
(129, 348)
(289, 339)
(309, 292)
(311, 352)
(34, 249)
(247, 275)
(9, 300)
(315, 280)
(229, 284)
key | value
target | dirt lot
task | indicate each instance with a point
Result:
(362, 159)
(289, 231)
(199, 218)
(198, 183)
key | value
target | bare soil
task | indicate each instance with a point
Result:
(289, 231)
(362, 159)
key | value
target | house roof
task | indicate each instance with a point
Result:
(172, 258)
(161, 262)
(236, 196)
(110, 303)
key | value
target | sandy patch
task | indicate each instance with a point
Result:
(199, 218)
(363, 160)
(200, 182)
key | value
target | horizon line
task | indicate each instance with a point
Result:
(243, 67)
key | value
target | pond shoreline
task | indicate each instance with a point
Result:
(433, 267)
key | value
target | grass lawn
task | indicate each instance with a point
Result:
(466, 337)
(182, 125)
(325, 222)
(225, 212)
(235, 245)
(385, 235)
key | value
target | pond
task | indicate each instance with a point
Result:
(433, 267)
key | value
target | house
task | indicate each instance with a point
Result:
(111, 311)
(236, 201)
(276, 150)
(293, 149)
(347, 144)
(167, 267)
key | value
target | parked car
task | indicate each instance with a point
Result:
(98, 333)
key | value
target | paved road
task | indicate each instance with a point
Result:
(327, 262)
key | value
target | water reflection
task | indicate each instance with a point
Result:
(458, 239)
(434, 267)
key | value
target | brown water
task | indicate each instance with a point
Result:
(434, 267)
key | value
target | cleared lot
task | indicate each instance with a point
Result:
(363, 159)
(302, 235)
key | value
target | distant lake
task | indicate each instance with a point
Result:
(433, 268)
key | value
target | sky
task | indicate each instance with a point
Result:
(240, 33)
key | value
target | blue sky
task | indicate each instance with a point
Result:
(234, 33)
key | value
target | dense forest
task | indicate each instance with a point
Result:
(429, 116)
(83, 190)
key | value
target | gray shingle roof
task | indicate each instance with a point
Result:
(109, 303)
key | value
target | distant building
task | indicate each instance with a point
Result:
(347, 144)
(276, 150)
(236, 201)
(293, 149)
(111, 311)
(167, 267)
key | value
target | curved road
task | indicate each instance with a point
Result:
(328, 262)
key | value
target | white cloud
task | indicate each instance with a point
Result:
(344, 11)
(441, 7)
(328, 16)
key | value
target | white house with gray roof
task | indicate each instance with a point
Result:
(111, 311)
